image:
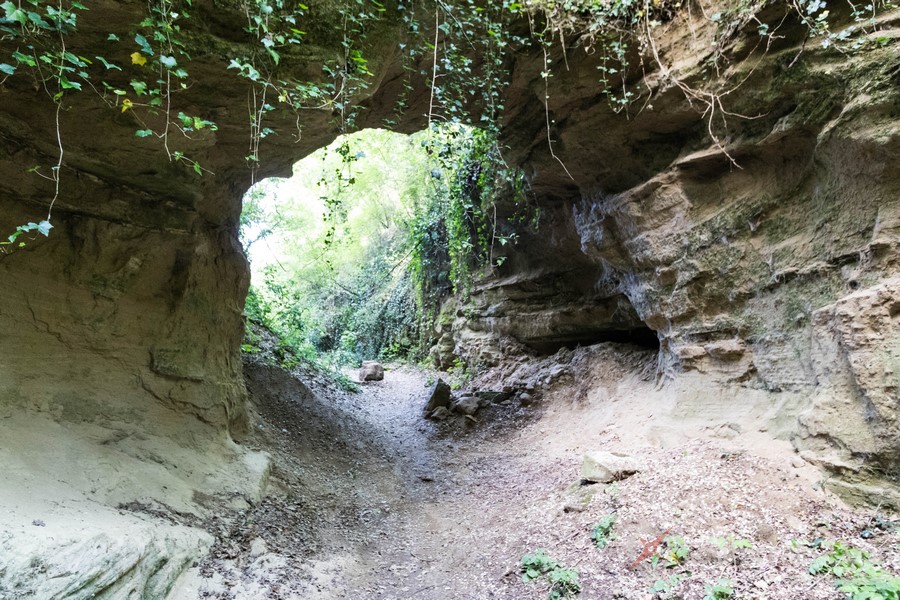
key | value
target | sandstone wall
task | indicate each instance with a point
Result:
(773, 271)
(135, 300)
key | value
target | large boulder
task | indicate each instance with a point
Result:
(371, 371)
(467, 405)
(605, 467)
(440, 397)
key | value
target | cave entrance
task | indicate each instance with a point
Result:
(352, 254)
(640, 336)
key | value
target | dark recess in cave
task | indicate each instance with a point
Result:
(643, 337)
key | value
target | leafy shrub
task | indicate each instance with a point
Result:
(720, 591)
(675, 553)
(563, 581)
(856, 575)
(602, 533)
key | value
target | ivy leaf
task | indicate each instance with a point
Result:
(14, 13)
(138, 59)
(144, 44)
(168, 62)
(44, 227)
(65, 84)
(108, 64)
(140, 87)
(8, 69)
(126, 104)
(142, 133)
(112, 38)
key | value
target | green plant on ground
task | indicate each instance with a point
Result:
(856, 575)
(675, 553)
(720, 591)
(731, 544)
(563, 581)
(665, 588)
(563, 584)
(602, 533)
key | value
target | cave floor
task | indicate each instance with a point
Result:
(371, 501)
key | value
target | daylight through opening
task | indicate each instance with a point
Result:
(352, 257)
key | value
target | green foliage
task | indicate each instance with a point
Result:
(563, 581)
(373, 232)
(856, 575)
(537, 564)
(340, 282)
(720, 591)
(602, 533)
(675, 554)
(563, 584)
(732, 545)
(454, 228)
(665, 588)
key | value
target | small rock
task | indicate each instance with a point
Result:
(526, 399)
(579, 496)
(605, 467)
(467, 405)
(439, 414)
(258, 548)
(798, 463)
(371, 371)
(440, 396)
(766, 533)
(558, 371)
(238, 503)
(38, 523)
(494, 396)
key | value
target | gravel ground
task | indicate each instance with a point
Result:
(371, 501)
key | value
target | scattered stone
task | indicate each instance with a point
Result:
(467, 405)
(371, 371)
(440, 396)
(558, 371)
(766, 533)
(579, 495)
(439, 414)
(38, 523)
(526, 399)
(605, 467)
(471, 419)
(494, 396)
(258, 548)
(798, 463)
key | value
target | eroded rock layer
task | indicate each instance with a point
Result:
(765, 261)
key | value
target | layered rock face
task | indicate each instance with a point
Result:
(771, 268)
(120, 376)
(135, 300)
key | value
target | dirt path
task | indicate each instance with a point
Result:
(371, 501)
